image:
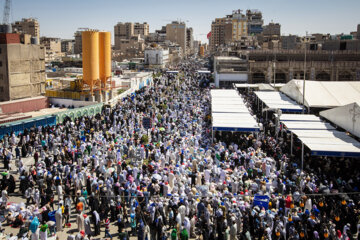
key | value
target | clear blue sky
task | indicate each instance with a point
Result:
(62, 18)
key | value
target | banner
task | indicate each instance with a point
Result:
(261, 201)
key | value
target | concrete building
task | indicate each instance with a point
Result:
(134, 42)
(189, 39)
(29, 26)
(358, 32)
(221, 32)
(78, 40)
(229, 70)
(67, 46)
(239, 25)
(271, 35)
(141, 29)
(176, 33)
(156, 56)
(255, 22)
(22, 71)
(272, 29)
(290, 42)
(52, 47)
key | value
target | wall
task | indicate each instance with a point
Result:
(69, 102)
(24, 105)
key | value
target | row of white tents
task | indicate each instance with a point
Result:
(229, 113)
(339, 102)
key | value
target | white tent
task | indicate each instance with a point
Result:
(277, 100)
(323, 94)
(236, 122)
(346, 117)
(219, 93)
(299, 117)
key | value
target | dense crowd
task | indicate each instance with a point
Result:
(173, 181)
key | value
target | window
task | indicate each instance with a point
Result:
(0, 63)
(1, 89)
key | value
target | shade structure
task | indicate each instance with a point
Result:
(329, 143)
(229, 112)
(346, 117)
(323, 94)
(300, 125)
(235, 122)
(277, 100)
(299, 117)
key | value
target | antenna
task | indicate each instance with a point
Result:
(6, 16)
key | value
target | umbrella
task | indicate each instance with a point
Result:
(229, 170)
(157, 177)
(4, 173)
(110, 170)
(162, 129)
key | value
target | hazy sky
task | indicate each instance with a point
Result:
(61, 18)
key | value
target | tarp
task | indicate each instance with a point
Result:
(277, 100)
(323, 94)
(262, 201)
(346, 117)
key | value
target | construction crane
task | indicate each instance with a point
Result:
(6, 16)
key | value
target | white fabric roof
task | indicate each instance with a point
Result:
(323, 94)
(329, 143)
(299, 117)
(295, 125)
(346, 117)
(277, 100)
(229, 112)
(240, 122)
(220, 93)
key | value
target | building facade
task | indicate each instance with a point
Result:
(189, 39)
(255, 22)
(221, 32)
(67, 46)
(156, 56)
(52, 46)
(22, 71)
(239, 25)
(28, 26)
(141, 29)
(176, 33)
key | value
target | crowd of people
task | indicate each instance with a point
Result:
(172, 180)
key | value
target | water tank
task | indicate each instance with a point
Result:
(105, 56)
(34, 40)
(90, 55)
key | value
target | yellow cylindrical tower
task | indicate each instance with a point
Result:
(201, 51)
(105, 56)
(90, 50)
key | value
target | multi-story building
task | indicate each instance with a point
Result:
(67, 45)
(290, 42)
(221, 32)
(134, 42)
(27, 25)
(22, 68)
(271, 36)
(78, 40)
(156, 56)
(239, 25)
(255, 22)
(189, 38)
(141, 29)
(176, 33)
(52, 45)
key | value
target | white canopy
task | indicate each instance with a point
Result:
(323, 94)
(346, 117)
(294, 125)
(236, 122)
(299, 117)
(329, 143)
(219, 93)
(229, 112)
(277, 100)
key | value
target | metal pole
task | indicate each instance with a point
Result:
(303, 111)
(302, 156)
(291, 146)
(274, 65)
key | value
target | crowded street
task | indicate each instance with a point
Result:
(112, 176)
